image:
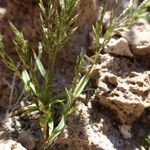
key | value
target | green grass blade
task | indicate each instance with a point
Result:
(70, 110)
(40, 65)
(69, 99)
(82, 83)
(27, 81)
(50, 126)
(58, 129)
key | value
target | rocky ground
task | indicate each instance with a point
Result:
(116, 116)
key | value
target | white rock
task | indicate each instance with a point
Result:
(2, 12)
(118, 47)
(138, 38)
(10, 145)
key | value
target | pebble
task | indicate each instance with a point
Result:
(27, 140)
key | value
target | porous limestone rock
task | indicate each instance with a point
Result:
(128, 97)
(122, 88)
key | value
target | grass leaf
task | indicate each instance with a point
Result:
(40, 65)
(50, 126)
(58, 129)
(82, 83)
(27, 82)
(26, 79)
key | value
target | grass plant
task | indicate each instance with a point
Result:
(57, 19)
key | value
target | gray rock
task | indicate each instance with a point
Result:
(138, 38)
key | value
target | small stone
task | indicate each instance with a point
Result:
(27, 140)
(125, 130)
(102, 86)
(118, 47)
(82, 97)
(2, 12)
(112, 79)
